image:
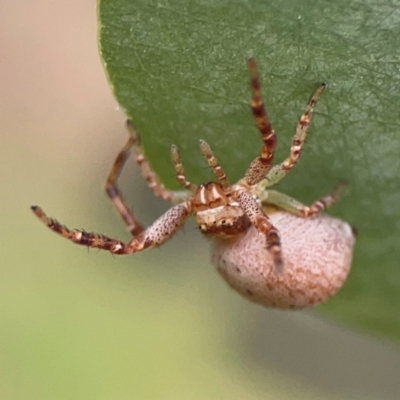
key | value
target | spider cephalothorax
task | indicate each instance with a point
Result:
(217, 213)
(240, 217)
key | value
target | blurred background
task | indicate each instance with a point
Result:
(79, 324)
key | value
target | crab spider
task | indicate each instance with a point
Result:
(268, 246)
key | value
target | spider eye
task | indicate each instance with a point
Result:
(223, 222)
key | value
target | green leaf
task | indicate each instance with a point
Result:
(178, 68)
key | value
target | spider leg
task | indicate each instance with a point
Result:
(179, 170)
(134, 226)
(214, 165)
(293, 206)
(160, 231)
(281, 170)
(147, 172)
(262, 164)
(263, 224)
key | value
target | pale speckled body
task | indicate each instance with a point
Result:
(317, 253)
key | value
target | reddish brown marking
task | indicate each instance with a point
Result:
(214, 165)
(161, 230)
(179, 171)
(261, 165)
(209, 195)
(324, 203)
(78, 236)
(301, 132)
(148, 174)
(263, 224)
(114, 194)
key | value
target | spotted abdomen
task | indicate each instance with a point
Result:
(317, 253)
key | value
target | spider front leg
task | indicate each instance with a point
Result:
(156, 234)
(263, 224)
(262, 164)
(161, 230)
(293, 206)
(158, 189)
(214, 165)
(281, 170)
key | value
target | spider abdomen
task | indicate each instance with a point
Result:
(317, 254)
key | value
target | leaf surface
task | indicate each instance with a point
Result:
(178, 68)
